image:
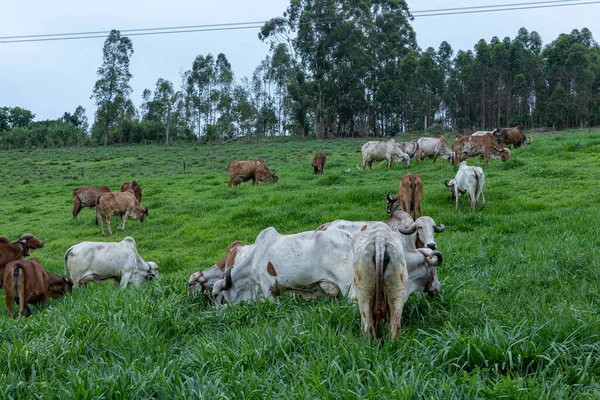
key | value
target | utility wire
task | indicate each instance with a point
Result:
(259, 24)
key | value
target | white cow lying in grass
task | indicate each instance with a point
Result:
(100, 261)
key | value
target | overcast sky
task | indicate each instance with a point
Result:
(50, 78)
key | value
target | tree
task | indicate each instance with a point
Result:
(112, 88)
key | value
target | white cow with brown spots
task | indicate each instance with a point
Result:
(379, 278)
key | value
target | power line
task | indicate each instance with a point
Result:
(259, 24)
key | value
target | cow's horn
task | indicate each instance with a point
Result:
(439, 229)
(528, 139)
(408, 231)
(446, 183)
(438, 257)
(387, 196)
(228, 281)
(498, 148)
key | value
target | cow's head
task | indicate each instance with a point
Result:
(424, 228)
(423, 265)
(391, 201)
(140, 213)
(451, 185)
(68, 285)
(29, 243)
(503, 152)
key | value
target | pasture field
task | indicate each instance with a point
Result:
(518, 315)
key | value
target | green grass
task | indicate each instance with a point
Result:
(517, 317)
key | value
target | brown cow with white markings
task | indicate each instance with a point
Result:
(484, 146)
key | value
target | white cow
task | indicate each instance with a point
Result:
(100, 261)
(469, 180)
(378, 151)
(379, 278)
(435, 147)
(313, 264)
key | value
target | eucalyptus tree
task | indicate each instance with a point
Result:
(224, 91)
(112, 87)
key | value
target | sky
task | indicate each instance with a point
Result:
(50, 78)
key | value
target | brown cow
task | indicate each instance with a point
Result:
(410, 195)
(511, 136)
(17, 250)
(484, 146)
(135, 187)
(86, 196)
(28, 283)
(318, 162)
(255, 170)
(120, 204)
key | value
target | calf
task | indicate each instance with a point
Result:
(134, 187)
(318, 163)
(86, 196)
(28, 283)
(101, 261)
(254, 170)
(120, 204)
(410, 195)
(379, 278)
(468, 180)
(17, 250)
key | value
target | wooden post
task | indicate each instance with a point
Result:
(183, 165)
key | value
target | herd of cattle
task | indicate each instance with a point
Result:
(378, 263)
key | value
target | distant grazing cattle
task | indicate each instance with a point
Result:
(26, 282)
(318, 163)
(135, 188)
(410, 195)
(410, 148)
(469, 180)
(428, 147)
(380, 278)
(17, 250)
(86, 196)
(378, 151)
(512, 136)
(485, 147)
(120, 204)
(101, 261)
(254, 170)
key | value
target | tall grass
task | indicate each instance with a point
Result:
(517, 316)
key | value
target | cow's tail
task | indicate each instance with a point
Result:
(479, 190)
(379, 306)
(19, 285)
(66, 259)
(98, 214)
(80, 205)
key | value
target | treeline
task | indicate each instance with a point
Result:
(345, 69)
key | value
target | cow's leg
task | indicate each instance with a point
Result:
(76, 207)
(435, 156)
(108, 225)
(124, 218)
(364, 163)
(9, 303)
(370, 165)
(456, 197)
(101, 218)
(124, 279)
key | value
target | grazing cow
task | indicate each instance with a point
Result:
(17, 250)
(485, 147)
(483, 133)
(378, 151)
(86, 196)
(468, 180)
(318, 162)
(429, 147)
(204, 280)
(100, 261)
(410, 195)
(512, 136)
(379, 278)
(410, 148)
(135, 188)
(120, 204)
(28, 283)
(254, 170)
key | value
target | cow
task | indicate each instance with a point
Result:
(17, 250)
(318, 162)
(86, 196)
(120, 204)
(26, 282)
(512, 136)
(410, 148)
(379, 278)
(469, 180)
(254, 170)
(135, 188)
(410, 195)
(378, 151)
(204, 280)
(429, 147)
(101, 261)
(495, 132)
(485, 147)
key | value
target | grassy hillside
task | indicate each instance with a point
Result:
(517, 315)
